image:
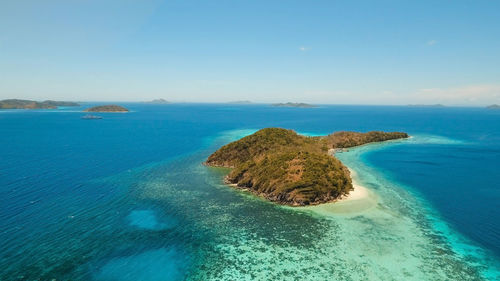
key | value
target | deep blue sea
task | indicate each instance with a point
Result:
(127, 197)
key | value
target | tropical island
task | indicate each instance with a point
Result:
(159, 101)
(107, 108)
(30, 104)
(287, 168)
(240, 102)
(427, 105)
(493, 106)
(294, 104)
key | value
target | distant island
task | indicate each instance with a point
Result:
(107, 108)
(29, 104)
(294, 104)
(60, 103)
(493, 106)
(287, 168)
(426, 105)
(240, 102)
(159, 101)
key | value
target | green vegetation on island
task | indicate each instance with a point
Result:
(493, 106)
(285, 167)
(60, 103)
(29, 104)
(349, 139)
(107, 108)
(294, 104)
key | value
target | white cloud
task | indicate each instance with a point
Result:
(304, 49)
(431, 42)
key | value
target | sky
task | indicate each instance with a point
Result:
(333, 52)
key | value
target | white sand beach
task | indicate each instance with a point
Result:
(360, 199)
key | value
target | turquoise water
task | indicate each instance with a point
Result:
(127, 198)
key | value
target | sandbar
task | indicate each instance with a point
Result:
(359, 200)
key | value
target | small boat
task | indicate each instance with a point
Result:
(88, 116)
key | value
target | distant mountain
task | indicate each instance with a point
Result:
(29, 104)
(493, 106)
(107, 108)
(240, 102)
(426, 105)
(159, 101)
(294, 104)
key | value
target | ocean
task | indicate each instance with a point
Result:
(126, 197)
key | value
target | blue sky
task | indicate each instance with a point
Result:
(343, 52)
